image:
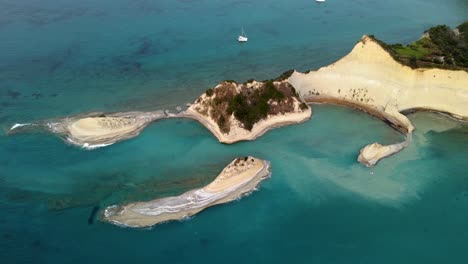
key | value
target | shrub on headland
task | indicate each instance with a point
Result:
(441, 47)
(303, 106)
(209, 92)
(249, 108)
(285, 75)
(250, 103)
(463, 29)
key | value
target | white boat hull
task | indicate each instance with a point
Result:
(242, 39)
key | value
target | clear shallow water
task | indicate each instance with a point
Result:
(63, 57)
(320, 206)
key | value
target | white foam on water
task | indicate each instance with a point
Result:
(107, 211)
(88, 146)
(54, 127)
(186, 218)
(20, 125)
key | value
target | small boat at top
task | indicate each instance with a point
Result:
(320, 1)
(243, 37)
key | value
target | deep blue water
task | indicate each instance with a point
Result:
(320, 205)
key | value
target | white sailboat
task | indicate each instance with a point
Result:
(243, 37)
(320, 1)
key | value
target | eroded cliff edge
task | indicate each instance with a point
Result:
(370, 79)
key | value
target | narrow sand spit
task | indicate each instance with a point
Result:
(240, 177)
(101, 129)
(94, 130)
(368, 78)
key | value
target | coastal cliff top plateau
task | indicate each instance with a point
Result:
(439, 47)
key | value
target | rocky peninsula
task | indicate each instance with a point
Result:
(235, 112)
(231, 111)
(371, 79)
(239, 178)
(384, 80)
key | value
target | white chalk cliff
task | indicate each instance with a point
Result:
(369, 78)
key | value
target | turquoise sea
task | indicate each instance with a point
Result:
(65, 57)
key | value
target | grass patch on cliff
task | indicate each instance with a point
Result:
(441, 47)
(416, 49)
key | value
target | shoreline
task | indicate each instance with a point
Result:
(370, 154)
(239, 178)
(214, 105)
(259, 129)
(369, 79)
(66, 128)
(84, 130)
(392, 122)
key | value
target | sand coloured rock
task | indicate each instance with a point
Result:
(368, 78)
(240, 177)
(282, 112)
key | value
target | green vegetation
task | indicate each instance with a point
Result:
(285, 75)
(416, 49)
(251, 108)
(451, 45)
(249, 103)
(209, 92)
(441, 47)
(463, 29)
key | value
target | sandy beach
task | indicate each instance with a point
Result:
(95, 128)
(368, 78)
(101, 129)
(240, 177)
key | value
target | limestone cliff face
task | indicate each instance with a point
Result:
(368, 75)
(369, 78)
